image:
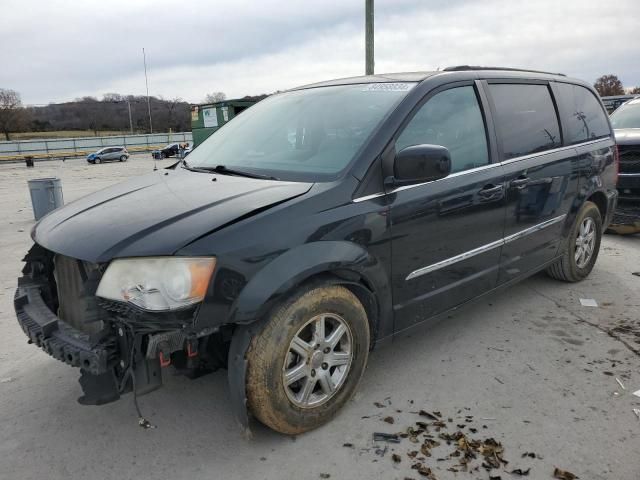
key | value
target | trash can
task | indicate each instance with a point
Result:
(46, 195)
(29, 161)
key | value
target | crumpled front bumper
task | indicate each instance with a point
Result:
(53, 335)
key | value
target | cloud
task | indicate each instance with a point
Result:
(60, 50)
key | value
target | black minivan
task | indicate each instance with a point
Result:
(319, 223)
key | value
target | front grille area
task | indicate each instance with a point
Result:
(629, 158)
(76, 282)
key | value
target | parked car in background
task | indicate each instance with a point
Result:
(626, 123)
(321, 222)
(167, 151)
(612, 102)
(109, 154)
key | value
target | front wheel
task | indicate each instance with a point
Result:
(97, 160)
(582, 247)
(307, 361)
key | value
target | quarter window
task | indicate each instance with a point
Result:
(453, 120)
(583, 117)
(526, 118)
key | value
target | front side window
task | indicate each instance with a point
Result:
(582, 116)
(309, 135)
(627, 116)
(452, 119)
(526, 118)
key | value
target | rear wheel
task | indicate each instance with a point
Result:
(307, 361)
(581, 251)
(123, 158)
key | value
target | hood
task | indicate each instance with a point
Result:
(156, 214)
(627, 136)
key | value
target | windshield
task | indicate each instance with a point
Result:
(627, 116)
(306, 135)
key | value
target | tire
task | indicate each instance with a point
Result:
(162, 156)
(123, 158)
(569, 268)
(97, 160)
(271, 352)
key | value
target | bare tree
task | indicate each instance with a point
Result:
(635, 90)
(12, 113)
(214, 97)
(171, 107)
(608, 85)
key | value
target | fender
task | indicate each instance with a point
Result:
(302, 262)
(276, 279)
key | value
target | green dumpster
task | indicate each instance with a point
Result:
(209, 117)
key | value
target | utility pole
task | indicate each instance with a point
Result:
(368, 14)
(130, 119)
(146, 81)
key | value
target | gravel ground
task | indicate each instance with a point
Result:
(529, 367)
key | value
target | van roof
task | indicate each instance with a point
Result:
(420, 76)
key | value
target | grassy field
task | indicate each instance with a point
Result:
(64, 134)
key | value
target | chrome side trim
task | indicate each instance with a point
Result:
(484, 248)
(535, 228)
(368, 197)
(457, 258)
(629, 174)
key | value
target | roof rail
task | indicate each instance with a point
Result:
(462, 68)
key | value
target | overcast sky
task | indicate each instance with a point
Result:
(54, 51)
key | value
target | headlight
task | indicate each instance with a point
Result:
(157, 283)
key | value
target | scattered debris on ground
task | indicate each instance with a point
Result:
(432, 433)
(563, 474)
(588, 302)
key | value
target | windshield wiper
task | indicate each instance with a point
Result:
(223, 169)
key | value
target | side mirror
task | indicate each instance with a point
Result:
(421, 163)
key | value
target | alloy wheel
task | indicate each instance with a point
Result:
(585, 242)
(318, 360)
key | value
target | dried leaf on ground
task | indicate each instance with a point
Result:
(388, 420)
(396, 458)
(430, 416)
(378, 404)
(519, 471)
(424, 471)
(563, 474)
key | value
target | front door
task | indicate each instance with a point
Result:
(447, 234)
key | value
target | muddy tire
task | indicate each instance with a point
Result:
(581, 248)
(307, 361)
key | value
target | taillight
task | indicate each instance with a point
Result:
(616, 162)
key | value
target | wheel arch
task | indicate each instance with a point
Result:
(334, 262)
(600, 199)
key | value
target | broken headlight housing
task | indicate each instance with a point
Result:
(157, 283)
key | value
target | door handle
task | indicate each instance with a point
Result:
(519, 182)
(490, 190)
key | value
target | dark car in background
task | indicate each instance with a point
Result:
(109, 154)
(319, 223)
(171, 150)
(626, 124)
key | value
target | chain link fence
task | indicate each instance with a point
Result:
(75, 147)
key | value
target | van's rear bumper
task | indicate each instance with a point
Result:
(54, 336)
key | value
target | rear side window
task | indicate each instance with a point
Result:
(582, 116)
(526, 118)
(454, 120)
